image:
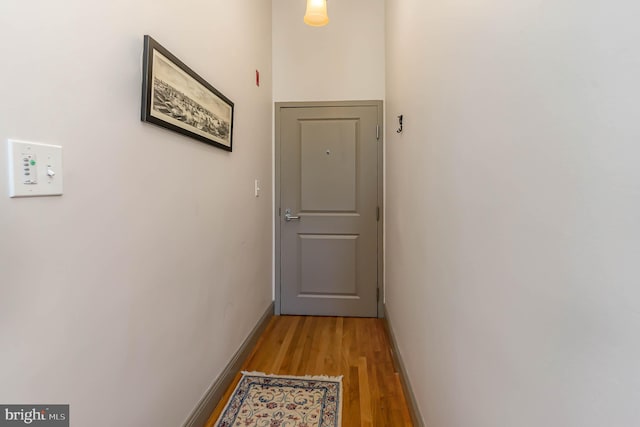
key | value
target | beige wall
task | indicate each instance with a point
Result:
(341, 61)
(513, 210)
(128, 295)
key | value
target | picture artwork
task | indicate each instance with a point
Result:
(175, 97)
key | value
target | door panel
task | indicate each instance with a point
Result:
(328, 265)
(328, 146)
(329, 180)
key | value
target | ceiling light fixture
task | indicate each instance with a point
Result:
(316, 15)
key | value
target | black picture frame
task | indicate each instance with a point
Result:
(177, 98)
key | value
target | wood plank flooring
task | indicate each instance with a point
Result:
(356, 348)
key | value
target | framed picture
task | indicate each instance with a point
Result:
(175, 97)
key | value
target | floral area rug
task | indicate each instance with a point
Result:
(261, 400)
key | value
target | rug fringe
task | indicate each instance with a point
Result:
(306, 377)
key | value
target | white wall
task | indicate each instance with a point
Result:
(341, 61)
(513, 214)
(128, 295)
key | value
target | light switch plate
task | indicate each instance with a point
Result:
(34, 169)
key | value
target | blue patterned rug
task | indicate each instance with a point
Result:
(261, 400)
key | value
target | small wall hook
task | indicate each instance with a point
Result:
(400, 122)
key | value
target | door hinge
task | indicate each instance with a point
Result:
(378, 213)
(279, 211)
(377, 131)
(378, 294)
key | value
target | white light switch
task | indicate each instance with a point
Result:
(34, 169)
(257, 188)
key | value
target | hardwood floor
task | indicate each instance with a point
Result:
(356, 348)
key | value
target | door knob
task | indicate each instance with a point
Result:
(288, 217)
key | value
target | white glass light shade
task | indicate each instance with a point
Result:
(316, 15)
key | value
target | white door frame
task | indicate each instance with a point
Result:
(278, 108)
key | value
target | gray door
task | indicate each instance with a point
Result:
(329, 209)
